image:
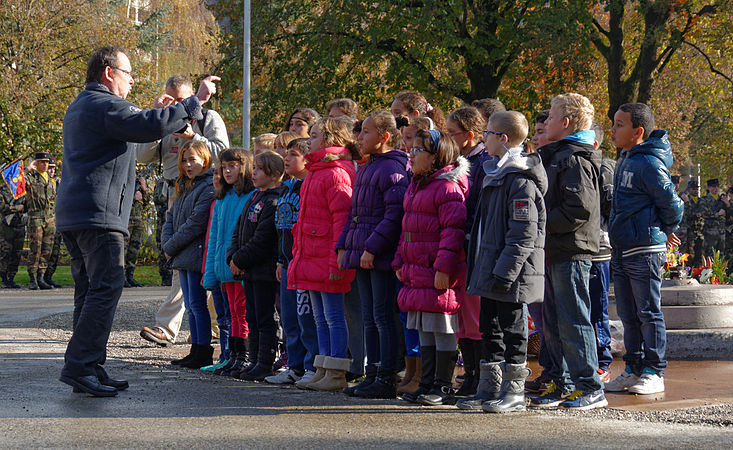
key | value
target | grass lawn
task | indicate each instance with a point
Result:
(147, 275)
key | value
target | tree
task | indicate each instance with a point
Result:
(307, 52)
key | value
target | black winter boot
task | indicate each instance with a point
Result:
(32, 283)
(203, 357)
(247, 358)
(48, 278)
(384, 386)
(266, 352)
(129, 277)
(187, 358)
(470, 365)
(41, 282)
(428, 374)
(370, 374)
(489, 387)
(233, 348)
(512, 390)
(442, 391)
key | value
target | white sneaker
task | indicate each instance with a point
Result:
(622, 382)
(287, 376)
(649, 383)
(306, 378)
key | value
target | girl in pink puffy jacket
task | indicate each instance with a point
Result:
(430, 260)
(325, 199)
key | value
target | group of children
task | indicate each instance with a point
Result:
(445, 228)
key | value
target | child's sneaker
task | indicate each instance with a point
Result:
(622, 382)
(649, 383)
(287, 376)
(550, 398)
(582, 400)
(539, 384)
(604, 375)
(305, 379)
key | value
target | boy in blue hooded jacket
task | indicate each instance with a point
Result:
(645, 212)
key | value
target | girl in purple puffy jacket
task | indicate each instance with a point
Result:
(430, 259)
(368, 244)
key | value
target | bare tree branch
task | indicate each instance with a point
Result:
(710, 62)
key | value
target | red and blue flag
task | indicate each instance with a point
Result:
(14, 177)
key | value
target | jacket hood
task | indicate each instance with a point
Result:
(397, 155)
(460, 169)
(656, 145)
(515, 161)
(319, 155)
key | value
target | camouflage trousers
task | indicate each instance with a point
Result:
(11, 244)
(133, 243)
(714, 240)
(163, 268)
(41, 231)
(53, 260)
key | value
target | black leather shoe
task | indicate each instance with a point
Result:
(104, 379)
(89, 384)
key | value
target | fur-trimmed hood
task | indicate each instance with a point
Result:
(454, 172)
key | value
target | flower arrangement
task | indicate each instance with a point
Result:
(675, 268)
(713, 270)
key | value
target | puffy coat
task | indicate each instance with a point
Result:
(254, 241)
(223, 221)
(375, 218)
(324, 208)
(645, 206)
(573, 197)
(432, 240)
(185, 225)
(508, 237)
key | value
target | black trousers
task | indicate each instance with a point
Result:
(97, 266)
(260, 302)
(503, 329)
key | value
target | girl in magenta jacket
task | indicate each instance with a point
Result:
(325, 199)
(430, 260)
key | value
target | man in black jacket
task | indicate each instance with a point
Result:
(94, 202)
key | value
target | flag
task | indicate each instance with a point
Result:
(14, 177)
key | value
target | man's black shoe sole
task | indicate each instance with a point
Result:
(80, 388)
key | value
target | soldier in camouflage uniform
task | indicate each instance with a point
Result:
(727, 199)
(53, 259)
(713, 214)
(693, 223)
(136, 227)
(12, 235)
(40, 199)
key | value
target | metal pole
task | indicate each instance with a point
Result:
(245, 75)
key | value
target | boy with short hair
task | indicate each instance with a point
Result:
(644, 215)
(264, 143)
(573, 222)
(506, 260)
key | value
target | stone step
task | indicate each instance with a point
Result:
(715, 343)
(698, 317)
(705, 294)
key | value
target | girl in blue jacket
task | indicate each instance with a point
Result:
(237, 188)
(183, 244)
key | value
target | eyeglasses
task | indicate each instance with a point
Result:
(415, 150)
(488, 132)
(126, 72)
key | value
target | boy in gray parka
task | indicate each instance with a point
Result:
(506, 259)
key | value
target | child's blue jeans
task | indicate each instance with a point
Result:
(328, 310)
(194, 297)
(296, 314)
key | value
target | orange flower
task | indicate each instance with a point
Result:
(684, 257)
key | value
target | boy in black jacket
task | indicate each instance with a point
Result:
(253, 258)
(573, 221)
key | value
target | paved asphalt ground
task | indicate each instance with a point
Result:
(179, 408)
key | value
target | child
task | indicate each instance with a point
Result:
(466, 127)
(645, 211)
(430, 259)
(264, 143)
(218, 298)
(183, 240)
(413, 103)
(296, 312)
(488, 106)
(506, 258)
(325, 201)
(368, 243)
(282, 141)
(343, 107)
(300, 121)
(252, 257)
(573, 224)
(237, 188)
